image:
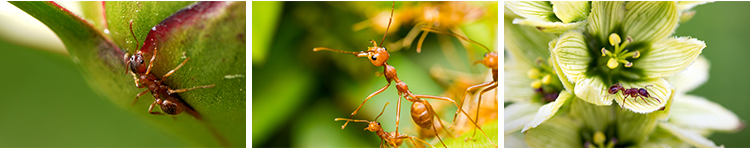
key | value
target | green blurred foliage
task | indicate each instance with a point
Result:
(297, 93)
(47, 103)
(723, 26)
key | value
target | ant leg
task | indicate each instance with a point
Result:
(467, 93)
(623, 102)
(459, 109)
(644, 100)
(188, 89)
(398, 111)
(151, 63)
(438, 136)
(479, 103)
(137, 82)
(175, 69)
(440, 121)
(363, 103)
(421, 39)
(136, 97)
(412, 139)
(151, 108)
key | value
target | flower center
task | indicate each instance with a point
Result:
(620, 54)
(600, 141)
(545, 82)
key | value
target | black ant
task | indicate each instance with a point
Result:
(167, 99)
(421, 110)
(394, 139)
(632, 92)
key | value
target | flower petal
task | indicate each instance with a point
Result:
(670, 56)
(518, 114)
(533, 9)
(658, 89)
(560, 75)
(594, 117)
(550, 27)
(571, 11)
(526, 43)
(697, 112)
(548, 110)
(593, 90)
(693, 76)
(572, 55)
(648, 21)
(690, 137)
(635, 127)
(557, 132)
(514, 140)
(687, 5)
(515, 82)
(605, 17)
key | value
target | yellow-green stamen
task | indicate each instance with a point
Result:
(619, 55)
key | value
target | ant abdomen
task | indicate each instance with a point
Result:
(170, 107)
(422, 113)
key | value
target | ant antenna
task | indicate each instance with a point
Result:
(131, 33)
(381, 112)
(389, 24)
(341, 51)
(431, 29)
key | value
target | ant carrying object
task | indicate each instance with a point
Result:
(167, 99)
(489, 61)
(421, 110)
(393, 139)
(632, 92)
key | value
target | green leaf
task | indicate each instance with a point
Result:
(215, 46)
(265, 16)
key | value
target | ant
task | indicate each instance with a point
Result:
(167, 99)
(393, 139)
(421, 110)
(632, 92)
(489, 61)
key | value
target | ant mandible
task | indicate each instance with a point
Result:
(393, 139)
(489, 61)
(421, 110)
(167, 99)
(632, 92)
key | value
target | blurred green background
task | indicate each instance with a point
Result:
(297, 93)
(724, 28)
(45, 102)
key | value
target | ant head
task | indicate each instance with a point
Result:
(490, 60)
(377, 55)
(170, 107)
(373, 126)
(614, 88)
(136, 63)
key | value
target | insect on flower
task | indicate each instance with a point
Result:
(632, 92)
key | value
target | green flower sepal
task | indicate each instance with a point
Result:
(552, 17)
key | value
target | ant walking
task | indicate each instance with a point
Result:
(394, 139)
(167, 99)
(632, 92)
(421, 110)
(489, 61)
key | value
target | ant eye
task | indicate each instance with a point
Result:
(374, 57)
(378, 124)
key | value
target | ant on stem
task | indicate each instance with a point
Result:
(167, 99)
(632, 92)
(393, 139)
(421, 111)
(489, 61)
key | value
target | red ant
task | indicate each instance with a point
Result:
(489, 61)
(393, 139)
(632, 92)
(167, 99)
(421, 110)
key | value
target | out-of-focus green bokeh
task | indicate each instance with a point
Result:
(724, 28)
(45, 102)
(297, 93)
